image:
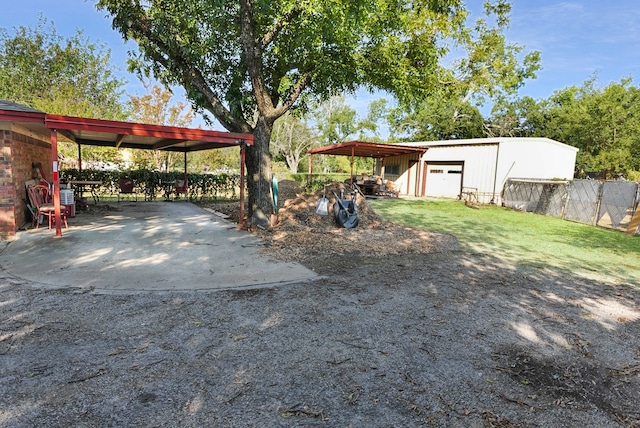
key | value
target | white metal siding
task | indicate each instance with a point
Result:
(488, 162)
(479, 166)
(538, 158)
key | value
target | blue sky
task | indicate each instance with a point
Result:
(576, 38)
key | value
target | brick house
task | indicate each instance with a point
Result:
(22, 149)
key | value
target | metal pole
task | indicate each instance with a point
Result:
(495, 175)
(242, 159)
(186, 185)
(56, 181)
(185, 168)
(79, 159)
(352, 155)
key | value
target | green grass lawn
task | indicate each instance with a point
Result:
(525, 239)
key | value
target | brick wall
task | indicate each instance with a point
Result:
(18, 152)
(7, 217)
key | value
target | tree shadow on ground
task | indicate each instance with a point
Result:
(447, 339)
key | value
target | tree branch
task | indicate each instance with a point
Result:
(302, 84)
(191, 76)
(253, 57)
(278, 26)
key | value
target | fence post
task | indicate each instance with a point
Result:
(634, 224)
(567, 191)
(598, 204)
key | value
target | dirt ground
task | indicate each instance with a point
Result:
(403, 328)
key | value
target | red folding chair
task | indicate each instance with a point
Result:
(39, 198)
(126, 186)
(181, 187)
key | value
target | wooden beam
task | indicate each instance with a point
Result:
(119, 139)
(632, 229)
(163, 144)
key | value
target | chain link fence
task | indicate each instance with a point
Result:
(609, 204)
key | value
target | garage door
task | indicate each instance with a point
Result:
(444, 180)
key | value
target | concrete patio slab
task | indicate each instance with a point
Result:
(133, 246)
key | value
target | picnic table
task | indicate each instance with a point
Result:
(84, 185)
(370, 187)
(168, 187)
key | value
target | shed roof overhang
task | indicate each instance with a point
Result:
(366, 149)
(363, 149)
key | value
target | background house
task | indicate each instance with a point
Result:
(478, 167)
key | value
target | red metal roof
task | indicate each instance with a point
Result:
(142, 136)
(365, 149)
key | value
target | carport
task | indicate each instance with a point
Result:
(108, 133)
(364, 149)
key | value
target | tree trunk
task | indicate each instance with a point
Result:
(258, 160)
(293, 161)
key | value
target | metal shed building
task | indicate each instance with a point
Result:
(479, 167)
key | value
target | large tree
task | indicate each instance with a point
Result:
(69, 76)
(336, 121)
(436, 118)
(603, 122)
(291, 139)
(483, 66)
(248, 62)
(522, 117)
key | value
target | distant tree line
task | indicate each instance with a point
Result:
(73, 76)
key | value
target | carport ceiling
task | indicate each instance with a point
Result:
(365, 149)
(94, 132)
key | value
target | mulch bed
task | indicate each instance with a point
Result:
(303, 236)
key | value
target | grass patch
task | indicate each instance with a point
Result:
(525, 239)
